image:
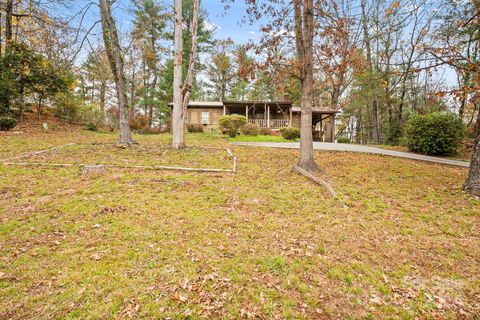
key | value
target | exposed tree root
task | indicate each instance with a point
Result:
(319, 181)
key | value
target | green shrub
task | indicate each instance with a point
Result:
(290, 133)
(232, 123)
(90, 126)
(195, 127)
(265, 131)
(250, 129)
(69, 108)
(7, 123)
(343, 140)
(436, 133)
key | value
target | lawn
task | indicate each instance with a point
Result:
(259, 138)
(265, 243)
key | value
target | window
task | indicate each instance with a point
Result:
(205, 118)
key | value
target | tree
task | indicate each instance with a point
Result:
(182, 90)
(113, 49)
(304, 31)
(472, 185)
(149, 26)
(279, 31)
(48, 79)
(97, 69)
(220, 69)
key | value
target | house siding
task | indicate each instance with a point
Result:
(194, 116)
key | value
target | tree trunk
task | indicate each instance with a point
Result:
(113, 49)
(188, 85)
(103, 88)
(9, 23)
(473, 181)
(39, 108)
(304, 30)
(22, 103)
(178, 125)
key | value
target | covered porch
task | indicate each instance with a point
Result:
(280, 114)
(273, 115)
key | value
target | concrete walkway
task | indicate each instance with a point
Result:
(355, 148)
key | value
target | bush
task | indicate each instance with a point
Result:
(90, 126)
(265, 131)
(250, 129)
(232, 123)
(7, 123)
(343, 140)
(290, 133)
(195, 127)
(153, 130)
(435, 133)
(69, 108)
(138, 122)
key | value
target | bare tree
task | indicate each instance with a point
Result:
(113, 49)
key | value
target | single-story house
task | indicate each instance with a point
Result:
(264, 114)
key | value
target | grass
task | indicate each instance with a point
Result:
(265, 243)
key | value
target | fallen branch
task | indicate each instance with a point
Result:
(81, 165)
(36, 153)
(318, 181)
(234, 165)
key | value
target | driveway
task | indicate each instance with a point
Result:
(342, 147)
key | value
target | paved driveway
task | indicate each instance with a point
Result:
(355, 148)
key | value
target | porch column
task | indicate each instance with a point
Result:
(290, 120)
(333, 128)
(246, 112)
(268, 117)
(224, 110)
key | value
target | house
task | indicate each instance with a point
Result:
(264, 114)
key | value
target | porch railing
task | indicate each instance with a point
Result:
(274, 123)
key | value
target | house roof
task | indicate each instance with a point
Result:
(203, 104)
(316, 110)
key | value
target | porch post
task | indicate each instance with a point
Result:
(268, 117)
(246, 112)
(290, 120)
(224, 110)
(333, 128)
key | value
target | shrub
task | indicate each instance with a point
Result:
(232, 123)
(153, 130)
(250, 129)
(343, 140)
(195, 127)
(290, 133)
(265, 131)
(7, 123)
(435, 133)
(90, 126)
(69, 108)
(138, 122)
